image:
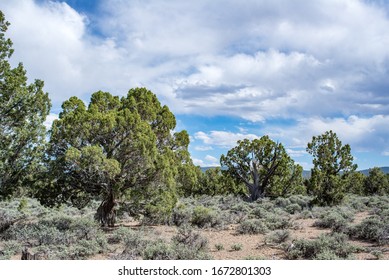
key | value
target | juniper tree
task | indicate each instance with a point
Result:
(332, 162)
(261, 164)
(115, 147)
(23, 110)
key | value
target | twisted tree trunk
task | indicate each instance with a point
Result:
(106, 213)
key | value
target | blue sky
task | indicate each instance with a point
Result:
(227, 69)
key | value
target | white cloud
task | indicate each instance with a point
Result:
(198, 162)
(223, 139)
(49, 120)
(296, 153)
(211, 159)
(203, 148)
(363, 134)
(208, 161)
(310, 61)
(277, 58)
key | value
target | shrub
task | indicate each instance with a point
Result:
(219, 247)
(325, 246)
(188, 237)
(302, 200)
(252, 226)
(236, 247)
(158, 250)
(293, 208)
(282, 202)
(181, 215)
(183, 252)
(134, 243)
(7, 218)
(371, 229)
(9, 249)
(60, 221)
(277, 237)
(85, 227)
(332, 220)
(118, 235)
(377, 254)
(275, 221)
(204, 217)
(84, 248)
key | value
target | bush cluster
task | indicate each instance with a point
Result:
(334, 246)
(58, 233)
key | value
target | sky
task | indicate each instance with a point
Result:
(227, 69)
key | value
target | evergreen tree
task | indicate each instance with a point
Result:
(23, 110)
(331, 159)
(115, 148)
(262, 165)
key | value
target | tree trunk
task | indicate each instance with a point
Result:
(27, 255)
(106, 213)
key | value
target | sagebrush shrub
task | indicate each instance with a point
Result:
(293, 208)
(236, 247)
(181, 215)
(187, 236)
(332, 220)
(252, 226)
(371, 229)
(158, 250)
(277, 237)
(332, 246)
(275, 221)
(204, 217)
(219, 247)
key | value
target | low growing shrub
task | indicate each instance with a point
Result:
(252, 226)
(277, 237)
(326, 246)
(371, 229)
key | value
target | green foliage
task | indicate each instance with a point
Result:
(63, 233)
(158, 250)
(214, 182)
(117, 148)
(190, 238)
(263, 166)
(23, 110)
(9, 249)
(252, 226)
(333, 220)
(373, 229)
(326, 247)
(204, 217)
(219, 247)
(376, 182)
(330, 158)
(354, 183)
(277, 237)
(236, 247)
(22, 205)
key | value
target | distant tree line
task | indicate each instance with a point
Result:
(126, 149)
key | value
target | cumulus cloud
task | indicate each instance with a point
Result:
(203, 148)
(364, 134)
(281, 59)
(209, 161)
(49, 120)
(322, 63)
(223, 139)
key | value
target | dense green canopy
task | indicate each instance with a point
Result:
(116, 147)
(23, 110)
(263, 166)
